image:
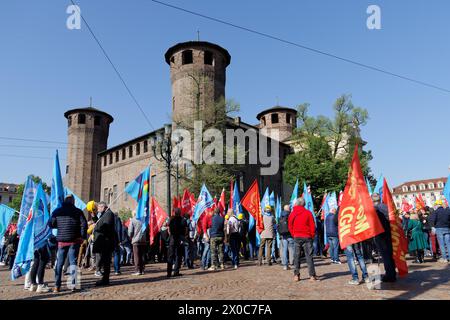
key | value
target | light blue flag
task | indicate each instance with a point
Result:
(205, 201)
(57, 194)
(29, 192)
(78, 202)
(325, 209)
(34, 236)
(251, 225)
(237, 208)
(379, 187)
(6, 213)
(138, 189)
(446, 191)
(294, 195)
(277, 217)
(272, 200)
(265, 201)
(309, 204)
(369, 187)
(332, 201)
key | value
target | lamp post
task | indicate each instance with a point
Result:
(162, 149)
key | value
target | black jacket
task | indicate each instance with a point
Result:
(383, 215)
(440, 218)
(177, 229)
(70, 223)
(105, 236)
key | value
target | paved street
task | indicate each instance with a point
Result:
(428, 281)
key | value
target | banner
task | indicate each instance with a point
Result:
(399, 242)
(157, 218)
(57, 192)
(205, 202)
(237, 208)
(252, 203)
(358, 220)
(138, 189)
(29, 192)
(6, 213)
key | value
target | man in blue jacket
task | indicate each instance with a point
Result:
(440, 220)
(331, 224)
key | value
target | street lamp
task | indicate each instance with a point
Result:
(162, 148)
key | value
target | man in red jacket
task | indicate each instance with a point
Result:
(302, 229)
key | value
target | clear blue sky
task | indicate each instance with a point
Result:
(46, 69)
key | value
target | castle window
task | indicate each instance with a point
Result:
(209, 58)
(130, 151)
(263, 120)
(145, 146)
(81, 118)
(138, 149)
(104, 161)
(114, 191)
(110, 158)
(274, 117)
(97, 120)
(440, 185)
(172, 60)
(67, 169)
(117, 156)
(105, 194)
(421, 186)
(405, 188)
(123, 154)
(187, 57)
(288, 118)
(69, 121)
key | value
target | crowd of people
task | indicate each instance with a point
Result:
(222, 239)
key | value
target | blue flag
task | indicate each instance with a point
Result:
(237, 208)
(6, 213)
(272, 200)
(379, 187)
(78, 202)
(57, 194)
(265, 201)
(277, 217)
(369, 187)
(325, 209)
(294, 195)
(138, 189)
(29, 192)
(309, 204)
(446, 191)
(34, 235)
(205, 201)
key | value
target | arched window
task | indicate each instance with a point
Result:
(274, 118)
(431, 185)
(413, 187)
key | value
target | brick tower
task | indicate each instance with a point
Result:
(278, 118)
(198, 75)
(88, 130)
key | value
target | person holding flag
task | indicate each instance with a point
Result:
(139, 243)
(71, 226)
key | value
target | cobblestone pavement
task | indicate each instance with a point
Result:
(430, 280)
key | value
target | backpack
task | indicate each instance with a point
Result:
(283, 226)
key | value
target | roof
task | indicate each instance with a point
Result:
(88, 109)
(196, 44)
(275, 108)
(399, 189)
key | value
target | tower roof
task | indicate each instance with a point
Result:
(196, 44)
(274, 109)
(88, 109)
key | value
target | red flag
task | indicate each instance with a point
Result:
(157, 218)
(193, 202)
(186, 203)
(406, 207)
(221, 203)
(358, 219)
(420, 204)
(399, 242)
(231, 194)
(252, 203)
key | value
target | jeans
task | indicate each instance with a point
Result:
(287, 243)
(235, 242)
(305, 244)
(70, 251)
(117, 255)
(126, 254)
(356, 249)
(41, 258)
(384, 246)
(216, 251)
(175, 253)
(334, 248)
(266, 244)
(189, 253)
(206, 256)
(443, 237)
(317, 246)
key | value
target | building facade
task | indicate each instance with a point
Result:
(430, 189)
(198, 77)
(8, 192)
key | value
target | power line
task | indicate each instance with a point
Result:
(331, 55)
(114, 67)
(32, 140)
